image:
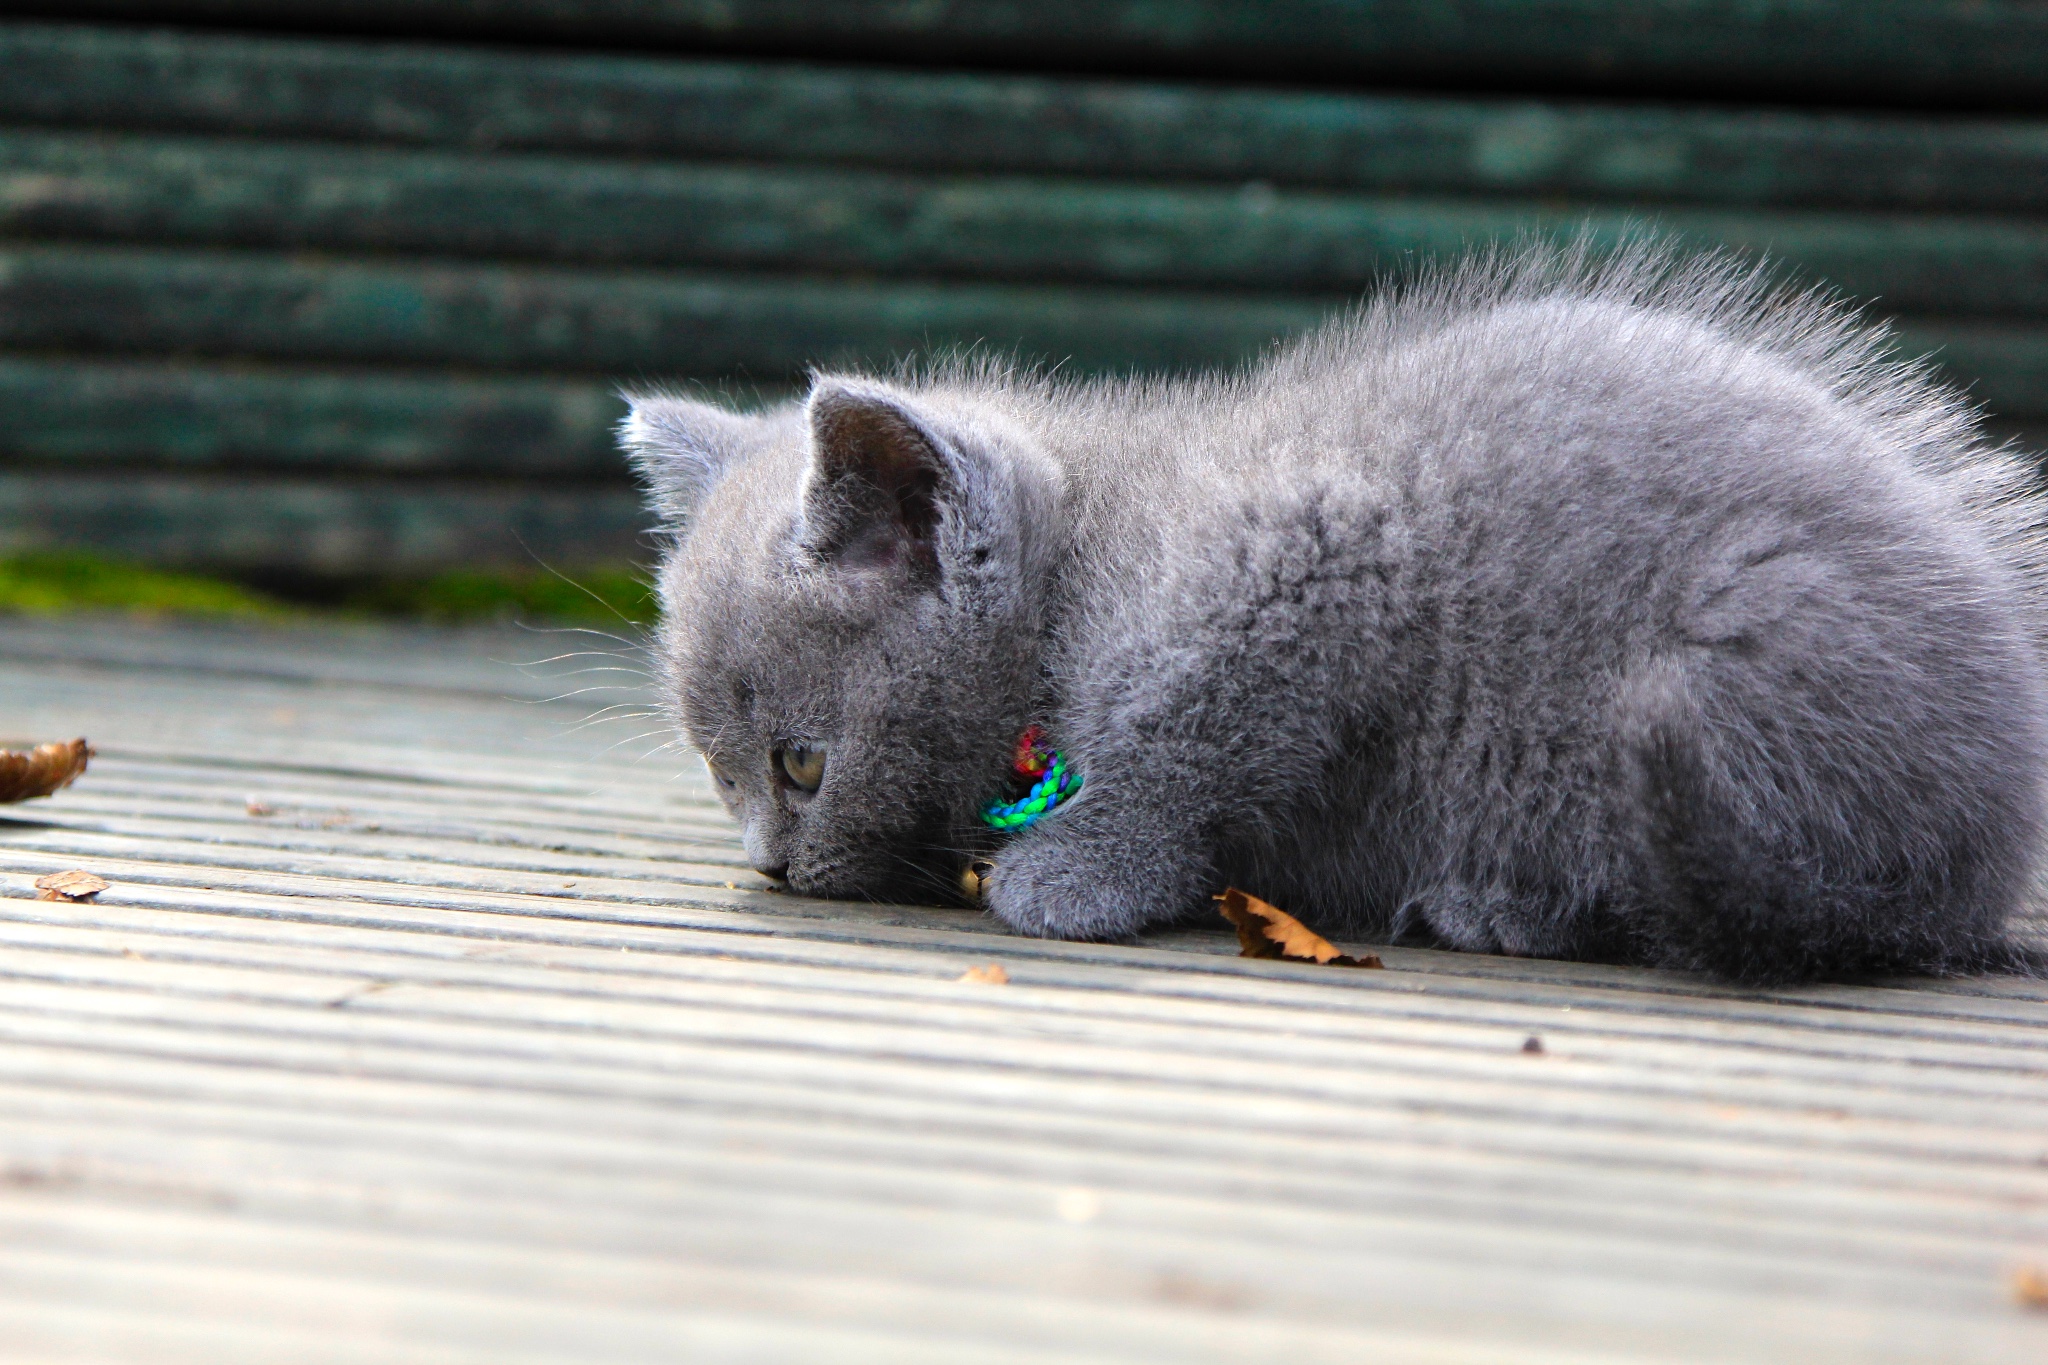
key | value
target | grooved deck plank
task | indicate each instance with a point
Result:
(469, 1051)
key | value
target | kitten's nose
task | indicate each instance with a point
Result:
(754, 839)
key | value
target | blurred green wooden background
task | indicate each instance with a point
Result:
(344, 287)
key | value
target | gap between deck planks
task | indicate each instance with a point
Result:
(485, 1044)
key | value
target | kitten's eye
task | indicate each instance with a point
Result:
(805, 768)
(718, 775)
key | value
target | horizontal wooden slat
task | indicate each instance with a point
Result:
(338, 526)
(205, 192)
(623, 324)
(79, 415)
(695, 108)
(655, 324)
(82, 414)
(1875, 51)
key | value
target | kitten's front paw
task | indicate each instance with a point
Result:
(1051, 886)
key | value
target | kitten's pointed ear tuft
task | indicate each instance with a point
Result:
(681, 448)
(878, 476)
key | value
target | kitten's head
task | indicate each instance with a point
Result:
(851, 620)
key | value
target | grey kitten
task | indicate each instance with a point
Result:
(1614, 609)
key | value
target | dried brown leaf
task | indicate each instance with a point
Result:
(1267, 931)
(2030, 1286)
(40, 771)
(990, 975)
(70, 886)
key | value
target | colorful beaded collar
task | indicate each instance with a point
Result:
(1051, 784)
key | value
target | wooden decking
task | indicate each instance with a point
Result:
(421, 1025)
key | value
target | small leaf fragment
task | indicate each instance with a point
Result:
(2030, 1287)
(974, 880)
(70, 886)
(990, 975)
(1267, 931)
(1532, 1045)
(41, 771)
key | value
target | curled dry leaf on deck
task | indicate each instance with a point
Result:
(70, 886)
(2030, 1286)
(40, 771)
(990, 975)
(1267, 931)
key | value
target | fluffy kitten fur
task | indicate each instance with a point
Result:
(1616, 609)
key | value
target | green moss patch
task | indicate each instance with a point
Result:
(55, 582)
(52, 582)
(590, 597)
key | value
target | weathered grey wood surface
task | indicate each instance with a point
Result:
(483, 1044)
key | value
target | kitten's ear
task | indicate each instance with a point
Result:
(680, 448)
(879, 475)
